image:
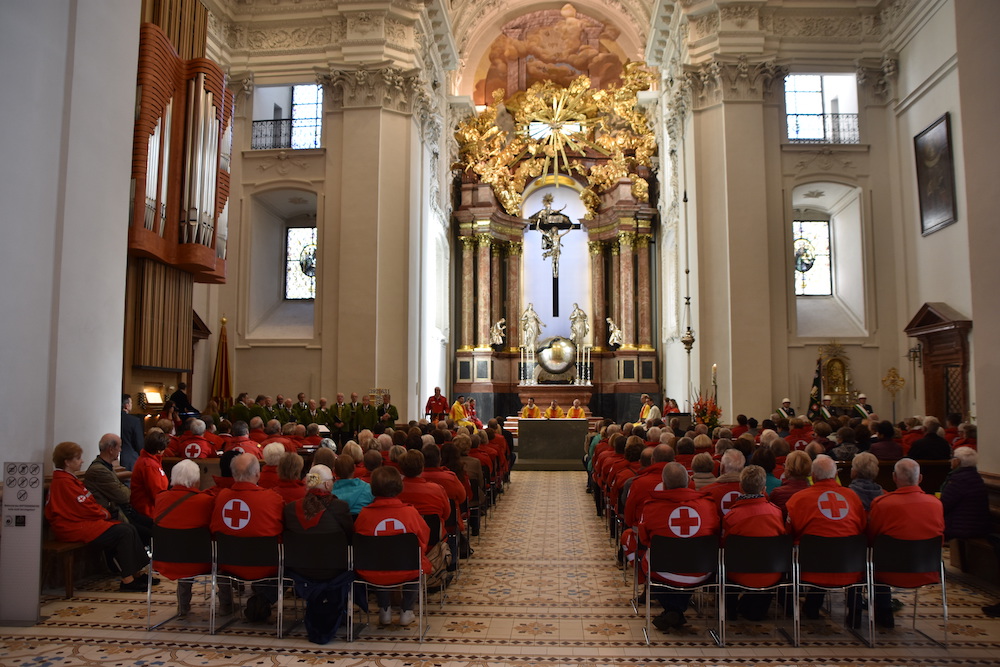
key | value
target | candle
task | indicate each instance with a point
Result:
(714, 369)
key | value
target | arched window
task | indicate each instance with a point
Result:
(300, 263)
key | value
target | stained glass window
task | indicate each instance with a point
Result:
(307, 116)
(811, 245)
(300, 263)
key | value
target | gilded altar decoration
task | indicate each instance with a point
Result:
(601, 136)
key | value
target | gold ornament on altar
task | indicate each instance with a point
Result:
(548, 129)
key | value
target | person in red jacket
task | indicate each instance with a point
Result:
(726, 489)
(753, 516)
(192, 444)
(388, 515)
(444, 478)
(75, 516)
(645, 482)
(246, 509)
(241, 442)
(185, 506)
(906, 514)
(426, 496)
(148, 478)
(826, 509)
(676, 511)
(437, 406)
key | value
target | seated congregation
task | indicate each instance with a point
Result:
(850, 479)
(433, 482)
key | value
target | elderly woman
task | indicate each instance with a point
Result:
(864, 470)
(798, 467)
(353, 491)
(965, 498)
(269, 471)
(290, 485)
(388, 510)
(148, 478)
(325, 589)
(185, 506)
(75, 516)
(702, 465)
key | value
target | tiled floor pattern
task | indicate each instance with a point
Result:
(541, 589)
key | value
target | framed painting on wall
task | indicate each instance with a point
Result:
(935, 176)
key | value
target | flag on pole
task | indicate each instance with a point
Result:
(222, 381)
(816, 393)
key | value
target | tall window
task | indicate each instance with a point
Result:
(822, 108)
(300, 263)
(307, 116)
(813, 276)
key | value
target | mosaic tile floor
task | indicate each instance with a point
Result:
(541, 589)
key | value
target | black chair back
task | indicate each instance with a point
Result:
(684, 554)
(246, 551)
(316, 551)
(433, 522)
(753, 555)
(894, 555)
(182, 545)
(386, 552)
(841, 555)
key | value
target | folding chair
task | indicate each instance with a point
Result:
(392, 553)
(757, 555)
(890, 554)
(308, 553)
(433, 522)
(189, 546)
(835, 555)
(238, 551)
(475, 510)
(683, 554)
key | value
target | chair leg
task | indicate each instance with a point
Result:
(944, 604)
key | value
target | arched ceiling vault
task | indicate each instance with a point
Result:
(476, 24)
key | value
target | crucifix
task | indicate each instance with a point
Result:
(553, 225)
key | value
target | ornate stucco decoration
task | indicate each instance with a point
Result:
(385, 87)
(600, 136)
(718, 81)
(824, 159)
(877, 83)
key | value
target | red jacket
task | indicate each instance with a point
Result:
(426, 497)
(246, 509)
(191, 446)
(71, 510)
(638, 494)
(724, 494)
(195, 511)
(827, 509)
(244, 445)
(754, 517)
(906, 514)
(268, 477)
(290, 490)
(148, 480)
(389, 516)
(678, 513)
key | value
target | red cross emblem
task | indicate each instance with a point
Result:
(239, 449)
(684, 522)
(390, 526)
(192, 451)
(833, 505)
(236, 514)
(727, 501)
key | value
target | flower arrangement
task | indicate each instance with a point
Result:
(706, 411)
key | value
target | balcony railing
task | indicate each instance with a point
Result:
(829, 128)
(271, 134)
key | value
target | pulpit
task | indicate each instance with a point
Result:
(550, 444)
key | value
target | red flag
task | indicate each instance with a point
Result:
(222, 382)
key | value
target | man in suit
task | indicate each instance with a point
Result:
(132, 437)
(387, 412)
(786, 410)
(861, 408)
(181, 401)
(827, 411)
(340, 420)
(366, 417)
(301, 409)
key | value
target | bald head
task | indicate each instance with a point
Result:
(246, 468)
(663, 454)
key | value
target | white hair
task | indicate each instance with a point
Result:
(318, 474)
(733, 460)
(197, 427)
(967, 457)
(185, 473)
(273, 453)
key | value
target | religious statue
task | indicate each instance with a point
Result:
(531, 328)
(552, 247)
(553, 225)
(615, 334)
(579, 326)
(497, 331)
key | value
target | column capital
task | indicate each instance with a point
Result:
(515, 248)
(626, 239)
(484, 240)
(468, 242)
(596, 247)
(643, 240)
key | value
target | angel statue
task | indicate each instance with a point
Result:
(615, 334)
(579, 325)
(531, 328)
(497, 331)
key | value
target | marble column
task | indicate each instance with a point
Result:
(496, 306)
(644, 292)
(626, 243)
(597, 294)
(466, 297)
(483, 289)
(615, 297)
(514, 249)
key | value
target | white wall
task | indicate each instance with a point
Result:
(64, 182)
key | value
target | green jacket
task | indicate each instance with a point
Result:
(393, 415)
(365, 419)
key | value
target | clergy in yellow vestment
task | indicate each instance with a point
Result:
(457, 413)
(576, 411)
(644, 410)
(554, 411)
(531, 411)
